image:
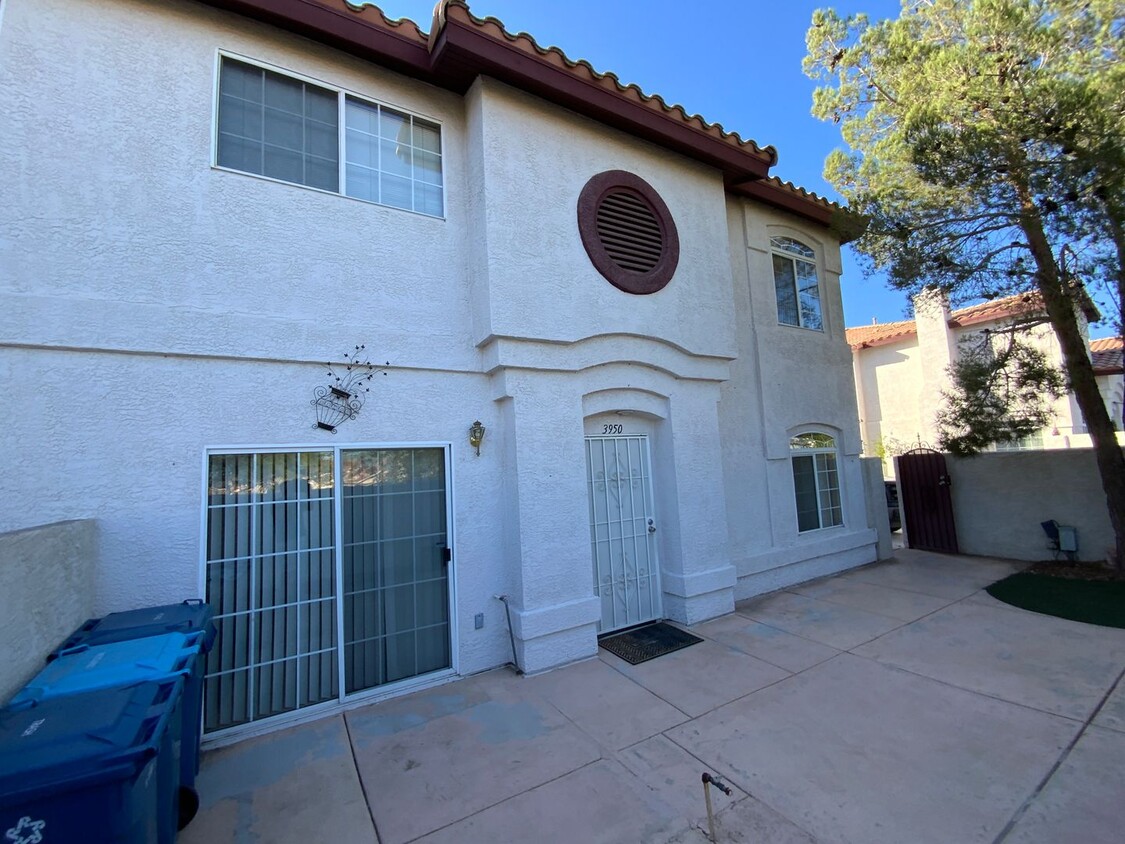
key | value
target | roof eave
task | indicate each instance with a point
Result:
(458, 50)
(845, 224)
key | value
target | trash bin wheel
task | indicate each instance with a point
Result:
(189, 805)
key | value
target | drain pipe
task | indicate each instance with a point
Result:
(709, 780)
(511, 636)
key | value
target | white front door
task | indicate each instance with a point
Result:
(622, 530)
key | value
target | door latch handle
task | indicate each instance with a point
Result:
(651, 526)
(446, 554)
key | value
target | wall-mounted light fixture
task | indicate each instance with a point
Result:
(476, 434)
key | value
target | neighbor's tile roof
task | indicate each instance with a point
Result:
(888, 332)
(1106, 355)
(880, 333)
(1009, 306)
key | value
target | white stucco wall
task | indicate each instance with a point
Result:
(999, 501)
(153, 307)
(47, 580)
(786, 379)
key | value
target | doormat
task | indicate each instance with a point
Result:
(644, 643)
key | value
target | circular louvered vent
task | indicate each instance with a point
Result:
(628, 232)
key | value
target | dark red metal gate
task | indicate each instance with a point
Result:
(927, 506)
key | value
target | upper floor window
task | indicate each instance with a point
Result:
(278, 126)
(816, 481)
(794, 279)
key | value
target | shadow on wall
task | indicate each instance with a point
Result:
(1001, 500)
(47, 580)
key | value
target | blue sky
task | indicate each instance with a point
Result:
(735, 62)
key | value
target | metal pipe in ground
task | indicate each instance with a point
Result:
(709, 781)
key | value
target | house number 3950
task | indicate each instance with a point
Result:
(611, 429)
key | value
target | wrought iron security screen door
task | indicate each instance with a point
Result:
(622, 530)
(305, 550)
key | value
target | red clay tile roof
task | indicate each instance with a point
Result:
(879, 334)
(1009, 306)
(461, 46)
(458, 10)
(1107, 356)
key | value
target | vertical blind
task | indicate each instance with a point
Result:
(271, 576)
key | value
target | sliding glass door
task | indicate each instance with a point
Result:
(396, 580)
(308, 549)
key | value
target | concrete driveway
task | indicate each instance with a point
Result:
(895, 703)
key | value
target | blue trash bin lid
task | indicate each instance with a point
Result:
(64, 742)
(84, 668)
(185, 617)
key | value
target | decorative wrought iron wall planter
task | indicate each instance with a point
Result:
(344, 397)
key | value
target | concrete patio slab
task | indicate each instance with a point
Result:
(1048, 663)
(1112, 715)
(259, 790)
(939, 730)
(785, 650)
(467, 752)
(606, 704)
(701, 677)
(854, 751)
(675, 777)
(940, 575)
(831, 624)
(748, 821)
(873, 597)
(1082, 801)
(597, 803)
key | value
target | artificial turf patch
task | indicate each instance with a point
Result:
(1094, 602)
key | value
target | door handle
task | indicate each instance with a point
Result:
(446, 553)
(651, 526)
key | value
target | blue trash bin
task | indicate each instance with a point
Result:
(192, 616)
(86, 668)
(98, 767)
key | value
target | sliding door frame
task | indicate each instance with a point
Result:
(343, 701)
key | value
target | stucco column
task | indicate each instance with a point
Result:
(554, 611)
(696, 572)
(937, 350)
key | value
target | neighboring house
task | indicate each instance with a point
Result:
(1106, 355)
(206, 201)
(901, 369)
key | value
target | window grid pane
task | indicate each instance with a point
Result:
(393, 158)
(816, 482)
(796, 284)
(275, 126)
(785, 285)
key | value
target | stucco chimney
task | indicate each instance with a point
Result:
(936, 350)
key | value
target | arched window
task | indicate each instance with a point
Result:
(794, 279)
(816, 481)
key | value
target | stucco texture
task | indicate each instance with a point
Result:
(999, 501)
(47, 580)
(155, 309)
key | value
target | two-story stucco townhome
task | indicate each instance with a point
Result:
(206, 202)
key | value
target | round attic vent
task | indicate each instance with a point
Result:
(628, 232)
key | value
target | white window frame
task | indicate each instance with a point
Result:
(794, 258)
(834, 450)
(342, 95)
(344, 700)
